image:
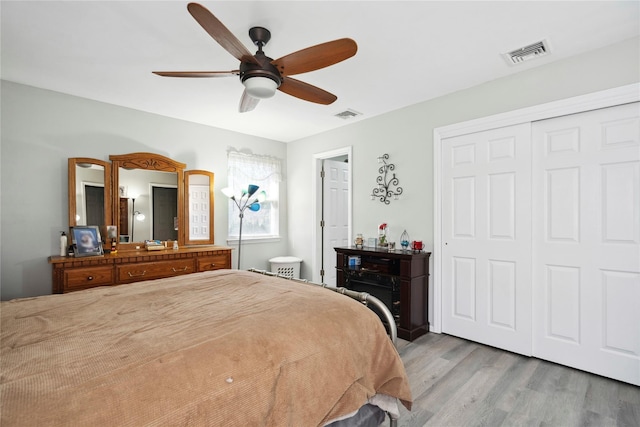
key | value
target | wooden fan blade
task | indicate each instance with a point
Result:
(220, 33)
(247, 102)
(306, 91)
(316, 57)
(197, 73)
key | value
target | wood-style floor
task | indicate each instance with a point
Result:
(455, 382)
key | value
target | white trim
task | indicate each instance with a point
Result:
(578, 104)
(253, 240)
(436, 324)
(316, 189)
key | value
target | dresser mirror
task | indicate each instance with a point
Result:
(147, 196)
(150, 198)
(199, 207)
(89, 182)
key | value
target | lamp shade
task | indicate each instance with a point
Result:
(227, 192)
(260, 87)
(251, 189)
(254, 207)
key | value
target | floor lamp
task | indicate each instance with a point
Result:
(246, 199)
(135, 215)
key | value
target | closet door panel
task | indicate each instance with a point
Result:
(586, 241)
(486, 252)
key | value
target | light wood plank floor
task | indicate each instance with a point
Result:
(455, 382)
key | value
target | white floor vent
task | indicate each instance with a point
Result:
(526, 53)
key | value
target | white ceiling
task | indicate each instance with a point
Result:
(408, 52)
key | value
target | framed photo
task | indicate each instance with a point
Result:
(86, 241)
(112, 231)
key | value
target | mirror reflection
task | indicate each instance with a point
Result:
(148, 205)
(89, 191)
(90, 194)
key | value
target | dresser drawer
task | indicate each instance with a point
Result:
(214, 262)
(154, 270)
(80, 278)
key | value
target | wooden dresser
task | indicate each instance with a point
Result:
(73, 274)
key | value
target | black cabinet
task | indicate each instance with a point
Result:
(398, 278)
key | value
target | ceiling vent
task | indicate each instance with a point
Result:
(526, 53)
(347, 114)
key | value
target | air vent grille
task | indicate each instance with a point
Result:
(347, 114)
(526, 53)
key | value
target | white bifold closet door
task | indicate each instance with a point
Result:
(541, 239)
(486, 237)
(586, 241)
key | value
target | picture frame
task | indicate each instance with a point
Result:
(86, 241)
(112, 231)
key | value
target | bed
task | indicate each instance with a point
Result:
(225, 347)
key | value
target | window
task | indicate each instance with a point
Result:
(264, 171)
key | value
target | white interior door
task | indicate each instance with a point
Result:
(486, 237)
(586, 244)
(335, 213)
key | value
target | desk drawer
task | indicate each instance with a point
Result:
(80, 278)
(153, 270)
(214, 262)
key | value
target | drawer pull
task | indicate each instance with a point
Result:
(137, 275)
(90, 278)
(184, 269)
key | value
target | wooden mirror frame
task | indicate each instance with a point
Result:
(153, 162)
(189, 205)
(71, 180)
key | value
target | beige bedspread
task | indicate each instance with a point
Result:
(217, 348)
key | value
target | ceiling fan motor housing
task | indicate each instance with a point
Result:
(264, 69)
(260, 37)
(260, 80)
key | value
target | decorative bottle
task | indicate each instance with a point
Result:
(63, 244)
(404, 240)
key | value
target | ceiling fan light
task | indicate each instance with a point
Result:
(260, 87)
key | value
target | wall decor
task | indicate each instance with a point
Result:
(387, 182)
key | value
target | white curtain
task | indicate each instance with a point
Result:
(264, 171)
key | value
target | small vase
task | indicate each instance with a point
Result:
(382, 236)
(404, 240)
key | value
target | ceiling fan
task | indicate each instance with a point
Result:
(261, 75)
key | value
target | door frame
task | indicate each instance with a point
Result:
(602, 99)
(152, 213)
(316, 205)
